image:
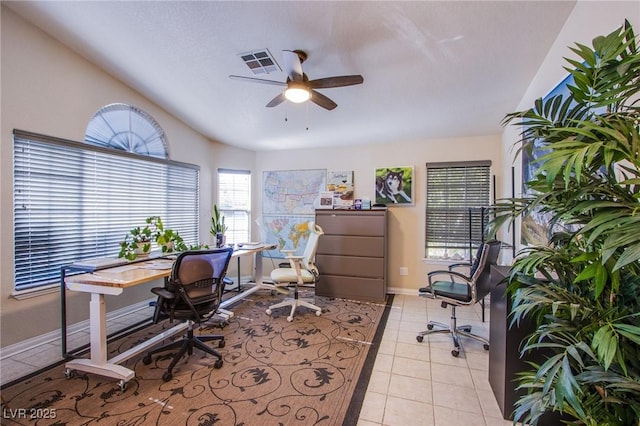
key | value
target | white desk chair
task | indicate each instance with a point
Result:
(302, 271)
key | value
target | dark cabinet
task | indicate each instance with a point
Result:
(504, 351)
(352, 254)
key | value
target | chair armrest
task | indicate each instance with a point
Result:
(293, 257)
(163, 292)
(459, 265)
(289, 254)
(450, 274)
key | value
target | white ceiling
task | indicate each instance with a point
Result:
(432, 69)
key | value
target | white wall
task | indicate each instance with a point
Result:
(588, 20)
(48, 89)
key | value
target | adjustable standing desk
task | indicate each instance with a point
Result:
(112, 281)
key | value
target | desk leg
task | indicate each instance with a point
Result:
(257, 278)
(98, 328)
(239, 288)
(98, 364)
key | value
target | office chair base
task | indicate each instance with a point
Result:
(294, 303)
(186, 346)
(455, 330)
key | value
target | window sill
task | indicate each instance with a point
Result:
(36, 292)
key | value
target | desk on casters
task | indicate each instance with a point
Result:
(112, 280)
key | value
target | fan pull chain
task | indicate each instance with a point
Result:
(307, 115)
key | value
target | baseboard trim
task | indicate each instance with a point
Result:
(54, 336)
(403, 291)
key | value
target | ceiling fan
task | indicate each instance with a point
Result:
(298, 86)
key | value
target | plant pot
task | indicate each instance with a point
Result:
(221, 239)
(168, 247)
(143, 248)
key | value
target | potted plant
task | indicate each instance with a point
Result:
(139, 239)
(136, 243)
(218, 227)
(582, 289)
(170, 241)
(167, 239)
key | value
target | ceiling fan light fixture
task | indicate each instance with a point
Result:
(297, 93)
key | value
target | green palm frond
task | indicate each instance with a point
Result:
(582, 289)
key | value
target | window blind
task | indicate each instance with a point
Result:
(234, 195)
(75, 201)
(456, 194)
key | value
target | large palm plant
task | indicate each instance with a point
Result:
(585, 296)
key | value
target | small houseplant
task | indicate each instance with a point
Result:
(136, 243)
(218, 227)
(168, 239)
(587, 305)
(139, 239)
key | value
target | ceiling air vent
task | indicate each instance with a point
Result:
(260, 61)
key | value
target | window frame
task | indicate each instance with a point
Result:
(233, 211)
(72, 202)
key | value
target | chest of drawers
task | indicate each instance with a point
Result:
(352, 254)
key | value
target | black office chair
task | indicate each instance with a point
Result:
(461, 290)
(192, 293)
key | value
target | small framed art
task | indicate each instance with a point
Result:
(394, 186)
(326, 200)
(341, 183)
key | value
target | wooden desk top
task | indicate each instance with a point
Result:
(131, 274)
(126, 275)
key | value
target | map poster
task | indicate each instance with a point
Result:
(292, 192)
(289, 202)
(341, 184)
(286, 232)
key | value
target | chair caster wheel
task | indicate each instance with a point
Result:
(68, 373)
(268, 311)
(222, 344)
(455, 353)
(218, 364)
(486, 347)
(318, 313)
(167, 376)
(419, 338)
(122, 385)
(429, 326)
(146, 360)
(289, 319)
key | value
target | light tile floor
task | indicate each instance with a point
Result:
(422, 383)
(417, 384)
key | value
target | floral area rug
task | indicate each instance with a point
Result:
(311, 371)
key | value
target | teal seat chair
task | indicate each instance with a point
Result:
(456, 289)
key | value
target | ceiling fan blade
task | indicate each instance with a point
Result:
(277, 100)
(321, 100)
(292, 65)
(257, 80)
(339, 81)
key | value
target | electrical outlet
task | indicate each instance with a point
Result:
(404, 271)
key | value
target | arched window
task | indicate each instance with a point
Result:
(127, 128)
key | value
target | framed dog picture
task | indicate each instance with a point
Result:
(394, 186)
